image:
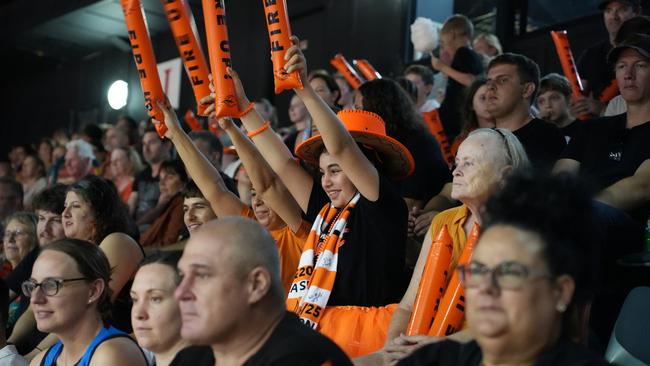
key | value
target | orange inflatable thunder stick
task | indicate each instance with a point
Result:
(366, 69)
(432, 284)
(569, 68)
(609, 92)
(145, 60)
(432, 120)
(191, 121)
(178, 16)
(451, 312)
(343, 66)
(214, 13)
(277, 23)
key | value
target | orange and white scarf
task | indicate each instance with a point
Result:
(313, 282)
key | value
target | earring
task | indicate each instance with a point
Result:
(561, 307)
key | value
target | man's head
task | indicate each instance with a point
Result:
(115, 137)
(616, 12)
(231, 275)
(631, 61)
(154, 149)
(196, 209)
(512, 81)
(422, 77)
(456, 32)
(79, 158)
(209, 145)
(48, 206)
(554, 97)
(11, 197)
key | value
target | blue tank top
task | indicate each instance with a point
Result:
(104, 334)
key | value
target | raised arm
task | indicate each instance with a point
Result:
(337, 139)
(272, 148)
(265, 182)
(204, 174)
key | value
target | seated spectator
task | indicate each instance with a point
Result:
(45, 153)
(487, 45)
(130, 126)
(346, 101)
(488, 156)
(267, 111)
(79, 159)
(146, 192)
(125, 164)
(33, 179)
(422, 77)
(19, 238)
(11, 197)
(115, 137)
(272, 206)
(553, 102)
(69, 291)
(6, 171)
(196, 209)
(9, 355)
(212, 148)
(231, 293)
(460, 64)
(168, 223)
(403, 123)
(301, 120)
(613, 152)
(513, 81)
(592, 64)
(325, 87)
(48, 206)
(155, 315)
(529, 275)
(475, 114)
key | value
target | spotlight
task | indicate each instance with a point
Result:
(117, 94)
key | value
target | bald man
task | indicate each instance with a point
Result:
(232, 299)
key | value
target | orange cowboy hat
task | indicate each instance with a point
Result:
(367, 129)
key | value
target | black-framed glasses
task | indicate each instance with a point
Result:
(8, 235)
(509, 275)
(49, 286)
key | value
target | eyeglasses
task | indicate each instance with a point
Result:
(13, 234)
(49, 286)
(506, 276)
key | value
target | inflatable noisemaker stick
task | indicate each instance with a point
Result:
(178, 16)
(277, 23)
(569, 68)
(214, 13)
(145, 61)
(451, 311)
(609, 92)
(343, 66)
(191, 121)
(366, 69)
(432, 284)
(432, 120)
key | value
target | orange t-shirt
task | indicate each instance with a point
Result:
(290, 246)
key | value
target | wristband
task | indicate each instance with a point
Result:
(250, 107)
(264, 127)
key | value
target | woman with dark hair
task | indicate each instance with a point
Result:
(474, 112)
(530, 274)
(33, 178)
(69, 293)
(391, 102)
(326, 87)
(167, 227)
(155, 315)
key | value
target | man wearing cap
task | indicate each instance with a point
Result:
(592, 65)
(614, 152)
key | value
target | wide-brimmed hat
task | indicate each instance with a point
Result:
(369, 130)
(638, 42)
(632, 3)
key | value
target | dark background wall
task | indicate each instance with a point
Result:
(41, 95)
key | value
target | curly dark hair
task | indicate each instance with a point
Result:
(111, 213)
(92, 264)
(391, 102)
(560, 210)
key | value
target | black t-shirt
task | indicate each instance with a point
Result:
(465, 61)
(543, 142)
(22, 272)
(569, 131)
(371, 260)
(294, 344)
(194, 356)
(431, 172)
(148, 191)
(592, 66)
(451, 353)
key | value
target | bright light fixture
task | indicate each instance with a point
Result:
(118, 92)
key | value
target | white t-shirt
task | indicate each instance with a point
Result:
(616, 106)
(9, 357)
